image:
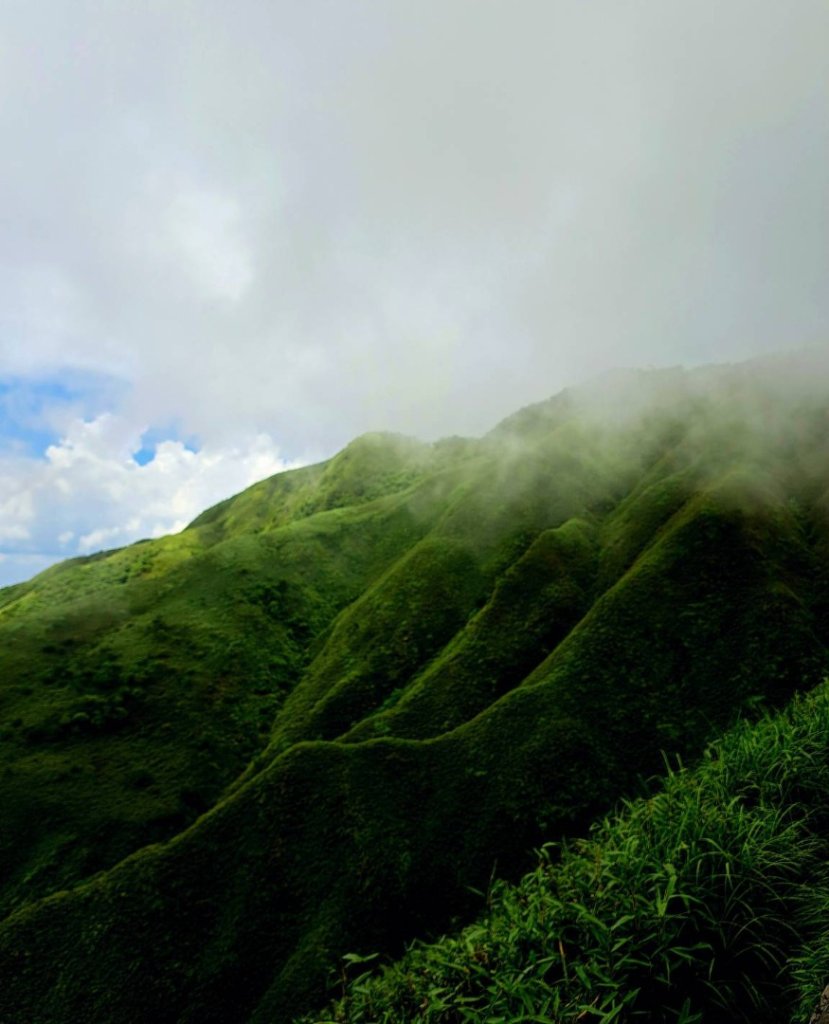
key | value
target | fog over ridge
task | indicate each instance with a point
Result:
(272, 227)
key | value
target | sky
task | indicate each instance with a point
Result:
(235, 236)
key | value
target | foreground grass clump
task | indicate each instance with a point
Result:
(704, 902)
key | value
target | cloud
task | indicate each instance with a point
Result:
(204, 227)
(89, 493)
(310, 220)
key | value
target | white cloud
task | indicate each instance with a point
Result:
(17, 512)
(88, 493)
(285, 218)
(282, 219)
(12, 531)
(204, 227)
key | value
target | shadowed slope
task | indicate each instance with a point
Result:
(488, 654)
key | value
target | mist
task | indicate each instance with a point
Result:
(272, 227)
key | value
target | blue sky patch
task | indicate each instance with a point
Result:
(32, 411)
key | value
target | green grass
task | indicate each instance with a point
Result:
(706, 901)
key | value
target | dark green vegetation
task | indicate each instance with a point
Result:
(320, 718)
(706, 902)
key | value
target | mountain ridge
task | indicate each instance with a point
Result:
(316, 718)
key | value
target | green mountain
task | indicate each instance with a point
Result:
(324, 716)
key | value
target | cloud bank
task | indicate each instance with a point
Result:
(303, 221)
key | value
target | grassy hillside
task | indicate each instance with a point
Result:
(319, 719)
(135, 685)
(705, 902)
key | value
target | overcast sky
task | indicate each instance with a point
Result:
(236, 235)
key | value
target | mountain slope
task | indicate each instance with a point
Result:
(706, 901)
(385, 676)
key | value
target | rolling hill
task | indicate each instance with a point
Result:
(321, 719)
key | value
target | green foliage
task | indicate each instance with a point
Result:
(706, 901)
